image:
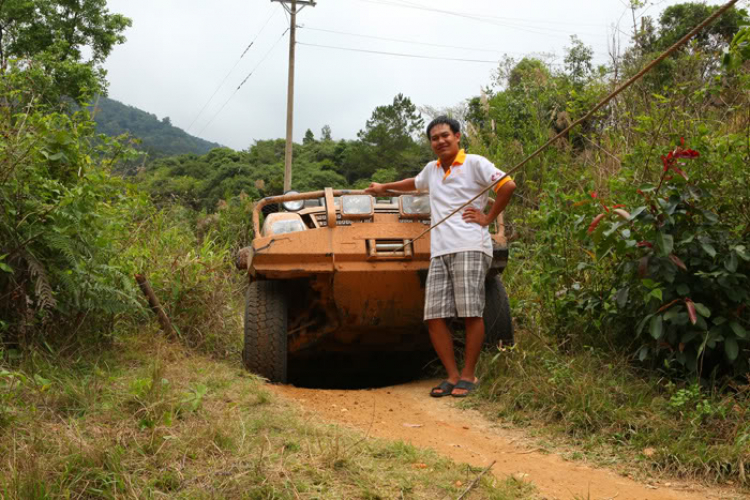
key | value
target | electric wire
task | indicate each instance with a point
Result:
(244, 81)
(373, 37)
(483, 19)
(499, 18)
(247, 49)
(398, 54)
(427, 44)
(505, 18)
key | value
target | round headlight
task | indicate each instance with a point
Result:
(293, 206)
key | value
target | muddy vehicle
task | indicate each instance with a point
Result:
(336, 272)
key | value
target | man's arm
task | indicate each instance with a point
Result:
(501, 201)
(380, 189)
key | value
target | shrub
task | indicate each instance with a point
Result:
(679, 273)
(62, 217)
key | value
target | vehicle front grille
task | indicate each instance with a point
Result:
(322, 218)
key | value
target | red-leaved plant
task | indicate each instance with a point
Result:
(678, 273)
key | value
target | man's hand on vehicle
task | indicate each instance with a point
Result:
(476, 216)
(376, 189)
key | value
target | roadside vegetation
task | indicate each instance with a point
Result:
(143, 417)
(630, 256)
(628, 275)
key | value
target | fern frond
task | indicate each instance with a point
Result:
(64, 245)
(45, 296)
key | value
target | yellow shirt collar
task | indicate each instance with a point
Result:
(460, 159)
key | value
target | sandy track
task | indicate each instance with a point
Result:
(407, 413)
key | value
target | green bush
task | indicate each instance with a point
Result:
(679, 273)
(63, 218)
(195, 280)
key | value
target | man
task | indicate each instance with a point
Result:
(460, 248)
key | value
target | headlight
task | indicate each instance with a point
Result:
(415, 206)
(359, 206)
(287, 226)
(293, 206)
(282, 223)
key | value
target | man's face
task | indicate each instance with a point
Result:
(443, 141)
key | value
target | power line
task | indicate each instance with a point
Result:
(496, 21)
(243, 82)
(416, 56)
(499, 18)
(402, 41)
(399, 40)
(231, 70)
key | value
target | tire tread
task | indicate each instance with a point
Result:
(265, 350)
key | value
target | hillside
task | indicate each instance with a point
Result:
(159, 137)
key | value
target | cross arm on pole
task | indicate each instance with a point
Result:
(300, 4)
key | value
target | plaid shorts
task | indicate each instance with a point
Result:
(455, 285)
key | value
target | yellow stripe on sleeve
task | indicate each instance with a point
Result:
(502, 183)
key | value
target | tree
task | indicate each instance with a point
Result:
(309, 137)
(388, 140)
(677, 20)
(50, 36)
(528, 71)
(396, 122)
(578, 59)
(325, 133)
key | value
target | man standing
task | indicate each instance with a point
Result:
(460, 248)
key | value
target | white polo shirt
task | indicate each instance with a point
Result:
(466, 178)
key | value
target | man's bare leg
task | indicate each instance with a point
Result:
(442, 342)
(474, 340)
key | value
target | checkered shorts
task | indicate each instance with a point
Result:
(455, 285)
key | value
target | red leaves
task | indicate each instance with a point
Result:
(596, 222)
(685, 153)
(677, 261)
(691, 311)
(667, 306)
(645, 244)
(666, 160)
(622, 213)
(680, 172)
(680, 152)
(643, 267)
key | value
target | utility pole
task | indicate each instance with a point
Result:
(291, 7)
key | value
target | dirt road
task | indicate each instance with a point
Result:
(405, 412)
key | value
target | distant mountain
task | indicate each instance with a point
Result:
(159, 137)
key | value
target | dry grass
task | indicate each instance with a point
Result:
(148, 419)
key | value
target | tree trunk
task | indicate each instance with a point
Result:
(153, 301)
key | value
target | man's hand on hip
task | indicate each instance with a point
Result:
(476, 216)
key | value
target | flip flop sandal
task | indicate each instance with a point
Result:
(467, 386)
(445, 387)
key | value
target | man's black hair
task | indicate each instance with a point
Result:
(444, 120)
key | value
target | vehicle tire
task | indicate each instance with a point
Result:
(265, 351)
(498, 323)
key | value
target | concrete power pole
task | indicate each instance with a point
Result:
(291, 7)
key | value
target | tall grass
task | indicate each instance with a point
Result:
(150, 418)
(606, 407)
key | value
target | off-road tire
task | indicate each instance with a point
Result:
(498, 324)
(265, 351)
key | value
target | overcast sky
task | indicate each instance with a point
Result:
(178, 53)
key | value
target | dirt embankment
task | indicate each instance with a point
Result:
(407, 413)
